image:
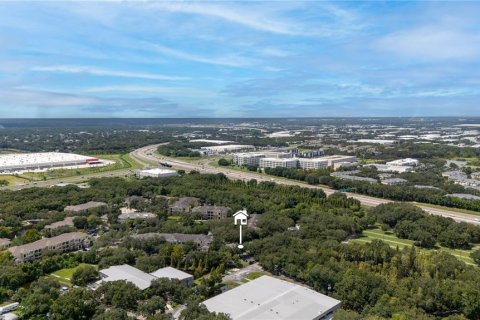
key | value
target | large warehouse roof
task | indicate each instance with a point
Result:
(19, 161)
(269, 298)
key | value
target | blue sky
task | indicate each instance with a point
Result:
(239, 59)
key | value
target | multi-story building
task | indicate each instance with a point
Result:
(309, 164)
(182, 205)
(211, 212)
(63, 243)
(244, 159)
(278, 162)
(404, 162)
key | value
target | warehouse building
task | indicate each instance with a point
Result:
(172, 273)
(404, 162)
(156, 173)
(140, 279)
(17, 162)
(63, 243)
(269, 298)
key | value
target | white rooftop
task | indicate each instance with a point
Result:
(158, 171)
(171, 273)
(269, 298)
(128, 273)
(15, 159)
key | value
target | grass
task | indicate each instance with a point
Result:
(394, 241)
(174, 218)
(434, 206)
(13, 180)
(64, 276)
(254, 275)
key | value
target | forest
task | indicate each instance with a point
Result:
(373, 281)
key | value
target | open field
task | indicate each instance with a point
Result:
(394, 241)
(64, 276)
(13, 180)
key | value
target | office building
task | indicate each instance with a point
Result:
(278, 162)
(312, 164)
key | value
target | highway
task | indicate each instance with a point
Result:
(147, 155)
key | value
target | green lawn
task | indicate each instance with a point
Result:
(394, 241)
(64, 276)
(174, 218)
(254, 275)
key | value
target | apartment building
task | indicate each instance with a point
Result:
(63, 243)
(211, 212)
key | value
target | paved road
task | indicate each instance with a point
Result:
(147, 155)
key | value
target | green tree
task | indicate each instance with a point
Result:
(84, 275)
(76, 304)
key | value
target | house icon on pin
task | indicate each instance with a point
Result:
(241, 217)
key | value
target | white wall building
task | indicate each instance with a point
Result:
(243, 159)
(156, 173)
(278, 162)
(269, 298)
(315, 163)
(404, 162)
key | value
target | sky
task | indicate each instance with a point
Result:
(239, 59)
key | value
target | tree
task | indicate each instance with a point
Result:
(152, 306)
(476, 256)
(76, 304)
(112, 314)
(223, 162)
(31, 235)
(120, 294)
(84, 275)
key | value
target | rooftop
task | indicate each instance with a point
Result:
(85, 206)
(171, 273)
(158, 171)
(128, 273)
(46, 242)
(68, 221)
(269, 298)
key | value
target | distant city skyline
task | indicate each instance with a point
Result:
(239, 59)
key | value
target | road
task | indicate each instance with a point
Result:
(147, 155)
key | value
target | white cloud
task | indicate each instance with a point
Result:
(231, 60)
(249, 18)
(105, 72)
(161, 90)
(432, 42)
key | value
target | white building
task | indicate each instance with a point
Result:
(156, 173)
(278, 162)
(243, 159)
(315, 163)
(140, 279)
(391, 168)
(17, 162)
(404, 162)
(269, 298)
